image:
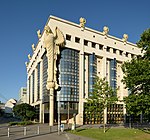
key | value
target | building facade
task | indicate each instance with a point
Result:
(64, 63)
(9, 106)
(22, 95)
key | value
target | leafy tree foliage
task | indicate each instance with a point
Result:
(144, 43)
(102, 96)
(24, 111)
(1, 111)
(137, 79)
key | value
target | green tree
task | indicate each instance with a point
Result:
(1, 111)
(24, 111)
(102, 96)
(144, 43)
(137, 79)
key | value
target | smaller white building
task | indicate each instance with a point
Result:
(9, 105)
(22, 95)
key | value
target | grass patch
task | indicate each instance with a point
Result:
(113, 134)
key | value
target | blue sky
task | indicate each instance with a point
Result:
(20, 19)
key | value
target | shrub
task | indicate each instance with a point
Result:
(21, 123)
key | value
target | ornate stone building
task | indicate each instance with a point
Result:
(63, 65)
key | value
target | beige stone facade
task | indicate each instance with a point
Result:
(85, 42)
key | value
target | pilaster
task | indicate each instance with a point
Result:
(35, 84)
(41, 86)
(81, 87)
(28, 91)
(31, 85)
(104, 67)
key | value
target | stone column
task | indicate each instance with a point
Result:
(27, 100)
(35, 84)
(51, 107)
(41, 113)
(124, 112)
(104, 60)
(41, 95)
(31, 93)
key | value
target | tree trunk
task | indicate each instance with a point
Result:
(104, 121)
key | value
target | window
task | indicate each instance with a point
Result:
(85, 42)
(120, 52)
(77, 40)
(127, 54)
(114, 50)
(68, 37)
(132, 55)
(93, 45)
(100, 46)
(108, 49)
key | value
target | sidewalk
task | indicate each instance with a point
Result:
(37, 132)
(55, 136)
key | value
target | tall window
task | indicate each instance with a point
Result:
(113, 64)
(33, 81)
(92, 70)
(29, 89)
(38, 81)
(44, 89)
(69, 76)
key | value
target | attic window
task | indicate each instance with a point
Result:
(100, 46)
(93, 45)
(85, 42)
(108, 49)
(68, 37)
(77, 40)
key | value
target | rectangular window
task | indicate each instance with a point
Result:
(127, 54)
(108, 49)
(120, 52)
(100, 46)
(85, 42)
(114, 50)
(77, 40)
(132, 55)
(93, 45)
(68, 37)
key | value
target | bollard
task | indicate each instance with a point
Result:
(38, 132)
(8, 132)
(62, 127)
(25, 131)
